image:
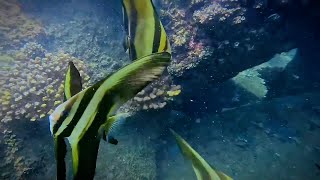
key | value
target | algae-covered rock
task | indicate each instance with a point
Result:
(254, 79)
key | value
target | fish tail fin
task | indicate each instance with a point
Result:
(84, 158)
(72, 83)
(60, 154)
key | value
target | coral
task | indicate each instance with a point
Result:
(13, 146)
(15, 26)
(215, 10)
(35, 86)
(6, 63)
(187, 32)
(155, 96)
(31, 50)
(210, 38)
(84, 30)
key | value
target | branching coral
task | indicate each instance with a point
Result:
(35, 86)
(15, 26)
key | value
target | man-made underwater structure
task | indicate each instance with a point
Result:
(217, 93)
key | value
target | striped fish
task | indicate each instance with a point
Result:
(87, 113)
(202, 169)
(144, 31)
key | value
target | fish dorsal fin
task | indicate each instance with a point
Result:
(130, 80)
(72, 84)
(202, 169)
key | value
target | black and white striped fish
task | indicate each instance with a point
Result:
(88, 115)
(145, 33)
(84, 115)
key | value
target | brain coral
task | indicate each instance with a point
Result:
(34, 86)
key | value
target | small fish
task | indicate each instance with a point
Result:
(202, 169)
(145, 33)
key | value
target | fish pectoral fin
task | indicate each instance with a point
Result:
(60, 154)
(84, 157)
(72, 83)
(110, 125)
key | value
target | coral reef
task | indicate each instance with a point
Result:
(216, 39)
(34, 86)
(82, 30)
(155, 96)
(13, 145)
(15, 26)
(31, 50)
(6, 63)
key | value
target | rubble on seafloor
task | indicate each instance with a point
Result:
(136, 162)
(15, 26)
(34, 85)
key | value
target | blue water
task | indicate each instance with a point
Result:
(247, 71)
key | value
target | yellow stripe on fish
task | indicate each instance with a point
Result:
(82, 116)
(145, 32)
(87, 113)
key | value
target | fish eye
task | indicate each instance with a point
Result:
(64, 114)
